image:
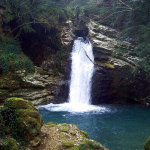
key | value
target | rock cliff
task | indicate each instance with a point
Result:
(114, 80)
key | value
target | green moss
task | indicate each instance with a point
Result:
(63, 136)
(51, 124)
(18, 103)
(108, 65)
(35, 142)
(29, 123)
(22, 118)
(65, 124)
(8, 144)
(88, 145)
(73, 133)
(64, 129)
(84, 134)
(147, 144)
(28, 112)
(68, 144)
(12, 144)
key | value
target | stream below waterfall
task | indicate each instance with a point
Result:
(116, 127)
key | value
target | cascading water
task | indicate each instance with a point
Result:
(81, 72)
(82, 69)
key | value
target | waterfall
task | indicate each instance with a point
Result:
(82, 69)
(81, 72)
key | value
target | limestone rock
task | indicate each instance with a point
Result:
(67, 34)
(40, 87)
(105, 42)
(67, 136)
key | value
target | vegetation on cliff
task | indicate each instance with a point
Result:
(19, 19)
(130, 17)
(12, 58)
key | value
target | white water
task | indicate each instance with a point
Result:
(82, 69)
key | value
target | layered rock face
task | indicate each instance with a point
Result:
(113, 80)
(40, 87)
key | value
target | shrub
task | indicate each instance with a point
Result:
(10, 45)
(11, 58)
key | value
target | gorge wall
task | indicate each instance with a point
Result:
(113, 80)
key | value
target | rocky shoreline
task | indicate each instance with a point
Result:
(22, 127)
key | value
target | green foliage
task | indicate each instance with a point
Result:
(10, 45)
(4, 65)
(133, 20)
(118, 52)
(58, 60)
(130, 17)
(88, 145)
(12, 143)
(24, 14)
(11, 58)
(8, 122)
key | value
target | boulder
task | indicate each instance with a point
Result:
(22, 118)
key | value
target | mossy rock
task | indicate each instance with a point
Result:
(108, 65)
(22, 118)
(8, 144)
(18, 103)
(12, 144)
(64, 129)
(147, 144)
(68, 144)
(84, 134)
(29, 123)
(51, 124)
(89, 145)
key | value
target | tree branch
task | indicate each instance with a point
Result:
(113, 14)
(91, 59)
(33, 22)
(125, 4)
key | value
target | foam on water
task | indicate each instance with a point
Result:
(74, 108)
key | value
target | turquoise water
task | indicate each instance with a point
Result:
(118, 128)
